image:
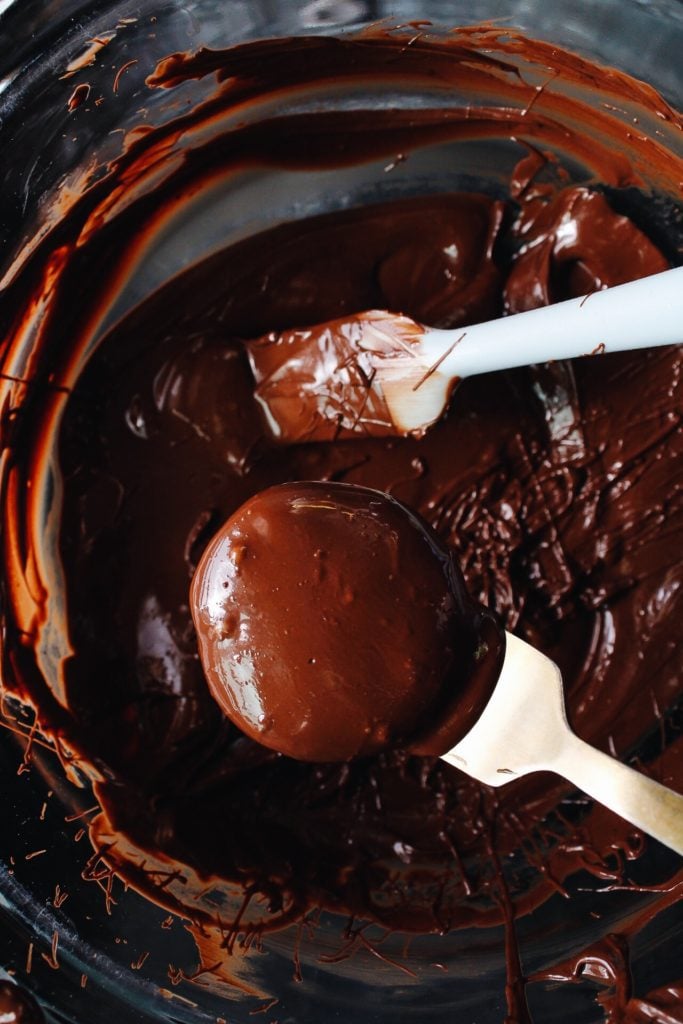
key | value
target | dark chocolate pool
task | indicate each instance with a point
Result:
(128, 443)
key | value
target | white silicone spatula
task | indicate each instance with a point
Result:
(524, 729)
(641, 314)
(344, 371)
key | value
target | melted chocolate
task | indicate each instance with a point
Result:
(316, 383)
(332, 624)
(17, 1006)
(606, 964)
(554, 487)
(551, 486)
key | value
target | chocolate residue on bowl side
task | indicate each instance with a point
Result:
(554, 487)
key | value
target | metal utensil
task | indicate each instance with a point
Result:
(524, 729)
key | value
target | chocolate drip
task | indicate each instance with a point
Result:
(553, 487)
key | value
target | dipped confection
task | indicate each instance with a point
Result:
(332, 623)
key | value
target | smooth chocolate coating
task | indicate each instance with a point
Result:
(333, 623)
(17, 1006)
(554, 486)
(315, 384)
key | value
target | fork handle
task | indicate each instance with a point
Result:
(635, 797)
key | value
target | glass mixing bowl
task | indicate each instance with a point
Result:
(50, 137)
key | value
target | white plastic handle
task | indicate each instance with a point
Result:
(640, 314)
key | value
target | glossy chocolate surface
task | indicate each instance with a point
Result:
(555, 488)
(332, 624)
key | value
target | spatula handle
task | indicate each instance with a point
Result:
(635, 797)
(640, 314)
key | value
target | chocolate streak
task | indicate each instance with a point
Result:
(554, 487)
